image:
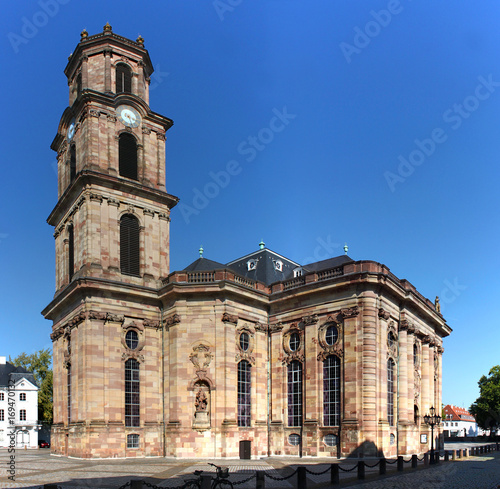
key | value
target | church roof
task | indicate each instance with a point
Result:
(11, 372)
(337, 261)
(266, 266)
(204, 264)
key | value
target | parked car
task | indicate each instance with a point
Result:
(43, 444)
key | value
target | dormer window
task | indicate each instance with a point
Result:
(297, 272)
(278, 265)
(251, 265)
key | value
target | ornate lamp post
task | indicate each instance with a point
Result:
(432, 419)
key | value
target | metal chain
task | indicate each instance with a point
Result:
(372, 466)
(125, 485)
(348, 470)
(147, 484)
(281, 478)
(245, 480)
(317, 473)
(387, 462)
(421, 459)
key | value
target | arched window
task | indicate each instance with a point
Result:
(295, 393)
(123, 78)
(129, 245)
(127, 156)
(390, 391)
(132, 413)
(72, 163)
(71, 252)
(331, 391)
(244, 393)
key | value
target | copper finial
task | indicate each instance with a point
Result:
(107, 27)
(84, 34)
(140, 40)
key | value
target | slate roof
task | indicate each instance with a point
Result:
(329, 263)
(9, 371)
(266, 266)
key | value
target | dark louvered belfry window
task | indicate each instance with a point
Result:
(127, 155)
(71, 252)
(123, 79)
(72, 163)
(129, 245)
(78, 84)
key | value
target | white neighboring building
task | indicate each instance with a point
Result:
(18, 389)
(459, 422)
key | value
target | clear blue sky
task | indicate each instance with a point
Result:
(423, 86)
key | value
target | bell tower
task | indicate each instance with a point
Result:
(112, 250)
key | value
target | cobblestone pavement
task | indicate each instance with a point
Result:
(35, 468)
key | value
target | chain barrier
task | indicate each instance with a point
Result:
(390, 463)
(421, 459)
(245, 480)
(372, 466)
(406, 461)
(125, 485)
(317, 473)
(348, 470)
(280, 478)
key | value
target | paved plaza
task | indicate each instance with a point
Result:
(35, 468)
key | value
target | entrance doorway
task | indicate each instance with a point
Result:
(245, 449)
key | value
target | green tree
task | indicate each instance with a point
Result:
(486, 409)
(40, 364)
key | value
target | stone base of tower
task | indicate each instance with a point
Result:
(105, 441)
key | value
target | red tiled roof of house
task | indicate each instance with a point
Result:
(458, 413)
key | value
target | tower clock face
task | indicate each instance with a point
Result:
(71, 130)
(128, 116)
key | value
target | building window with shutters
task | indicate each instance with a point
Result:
(132, 413)
(129, 245)
(123, 78)
(295, 393)
(72, 163)
(22, 415)
(331, 391)
(71, 252)
(127, 156)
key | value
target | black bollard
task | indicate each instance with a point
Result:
(426, 459)
(446, 456)
(401, 464)
(414, 461)
(301, 477)
(361, 469)
(383, 466)
(261, 480)
(334, 474)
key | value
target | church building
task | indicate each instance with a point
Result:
(258, 356)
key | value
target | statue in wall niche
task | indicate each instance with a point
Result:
(201, 401)
(201, 420)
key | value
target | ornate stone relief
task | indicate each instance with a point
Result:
(392, 341)
(337, 347)
(260, 327)
(134, 354)
(350, 312)
(114, 318)
(382, 314)
(274, 328)
(308, 320)
(201, 356)
(228, 318)
(149, 323)
(172, 320)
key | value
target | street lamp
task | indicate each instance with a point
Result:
(432, 419)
